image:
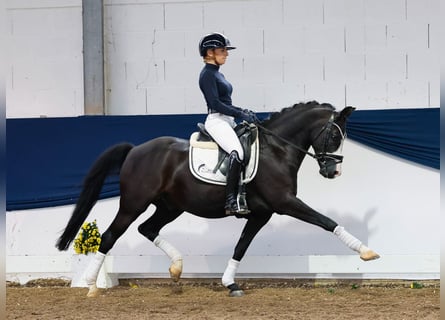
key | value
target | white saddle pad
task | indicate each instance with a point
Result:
(203, 158)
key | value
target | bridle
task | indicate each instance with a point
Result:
(327, 161)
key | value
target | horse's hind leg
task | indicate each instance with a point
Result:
(119, 225)
(150, 229)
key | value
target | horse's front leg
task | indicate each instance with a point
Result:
(253, 225)
(296, 208)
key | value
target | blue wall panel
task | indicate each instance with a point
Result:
(47, 158)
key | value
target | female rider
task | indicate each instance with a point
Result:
(220, 122)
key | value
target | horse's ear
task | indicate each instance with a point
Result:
(346, 112)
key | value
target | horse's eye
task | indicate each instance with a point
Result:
(334, 136)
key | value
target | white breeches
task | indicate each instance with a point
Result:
(220, 127)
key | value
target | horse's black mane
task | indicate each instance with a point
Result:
(300, 107)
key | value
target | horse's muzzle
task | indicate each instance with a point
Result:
(330, 165)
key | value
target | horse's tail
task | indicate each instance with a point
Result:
(108, 163)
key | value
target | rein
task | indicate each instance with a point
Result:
(317, 156)
(267, 131)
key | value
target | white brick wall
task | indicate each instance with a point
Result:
(376, 53)
(44, 52)
(302, 12)
(384, 11)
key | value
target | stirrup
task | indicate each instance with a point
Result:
(232, 207)
(237, 211)
(242, 203)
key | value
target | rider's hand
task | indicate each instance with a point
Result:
(250, 116)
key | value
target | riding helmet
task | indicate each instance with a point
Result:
(212, 41)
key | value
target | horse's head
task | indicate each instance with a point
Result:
(316, 125)
(328, 140)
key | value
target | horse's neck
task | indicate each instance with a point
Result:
(297, 133)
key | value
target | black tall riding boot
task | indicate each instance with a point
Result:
(233, 175)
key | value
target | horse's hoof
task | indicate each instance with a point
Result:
(235, 290)
(368, 255)
(175, 270)
(236, 293)
(176, 288)
(93, 291)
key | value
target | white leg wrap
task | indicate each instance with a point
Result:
(348, 239)
(93, 268)
(228, 277)
(168, 249)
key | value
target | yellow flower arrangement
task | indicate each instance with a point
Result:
(88, 239)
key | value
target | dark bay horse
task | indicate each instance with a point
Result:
(157, 172)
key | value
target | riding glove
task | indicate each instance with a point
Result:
(249, 116)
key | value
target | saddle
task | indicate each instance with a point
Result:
(209, 163)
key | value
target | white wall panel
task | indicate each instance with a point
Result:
(166, 99)
(423, 10)
(407, 37)
(277, 97)
(355, 38)
(301, 12)
(367, 94)
(344, 11)
(263, 13)
(32, 22)
(115, 18)
(141, 18)
(408, 94)
(303, 68)
(325, 39)
(422, 65)
(434, 97)
(248, 41)
(44, 65)
(126, 100)
(168, 44)
(323, 91)
(219, 15)
(434, 40)
(384, 11)
(181, 71)
(263, 70)
(191, 39)
(310, 37)
(344, 67)
(142, 73)
(121, 46)
(284, 41)
(183, 16)
(194, 100)
(376, 38)
(233, 70)
(57, 103)
(249, 96)
(390, 66)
